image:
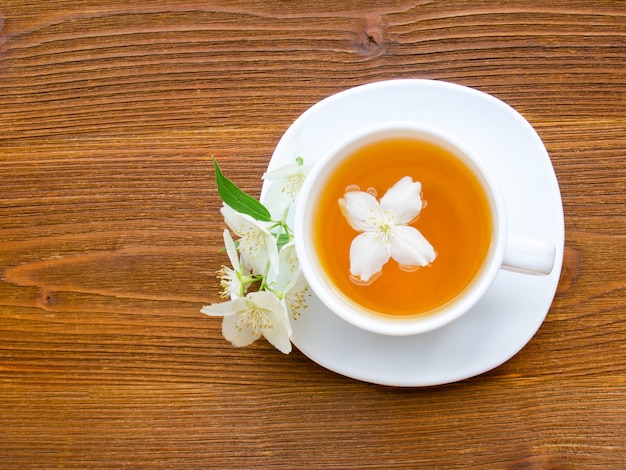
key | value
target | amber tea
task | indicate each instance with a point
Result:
(456, 219)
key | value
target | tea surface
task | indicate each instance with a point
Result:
(456, 221)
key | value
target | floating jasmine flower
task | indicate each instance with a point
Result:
(248, 318)
(256, 245)
(384, 228)
(286, 184)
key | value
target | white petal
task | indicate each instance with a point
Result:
(403, 199)
(287, 171)
(276, 327)
(224, 309)
(282, 172)
(257, 245)
(242, 223)
(278, 335)
(234, 332)
(277, 200)
(247, 318)
(264, 300)
(367, 256)
(287, 265)
(272, 251)
(296, 294)
(259, 313)
(360, 209)
(297, 281)
(410, 248)
(238, 222)
(231, 250)
(285, 184)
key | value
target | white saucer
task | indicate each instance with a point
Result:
(512, 311)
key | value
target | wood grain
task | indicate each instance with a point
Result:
(110, 233)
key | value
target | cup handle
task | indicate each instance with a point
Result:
(528, 255)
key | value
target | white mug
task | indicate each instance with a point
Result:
(513, 252)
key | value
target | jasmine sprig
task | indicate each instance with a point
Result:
(264, 254)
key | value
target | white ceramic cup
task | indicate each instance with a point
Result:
(507, 251)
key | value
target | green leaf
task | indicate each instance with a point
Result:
(237, 199)
(282, 240)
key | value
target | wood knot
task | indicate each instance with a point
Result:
(371, 38)
(47, 299)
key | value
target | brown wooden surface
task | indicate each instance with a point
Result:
(110, 231)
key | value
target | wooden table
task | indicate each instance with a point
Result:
(110, 233)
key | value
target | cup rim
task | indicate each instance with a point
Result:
(346, 309)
